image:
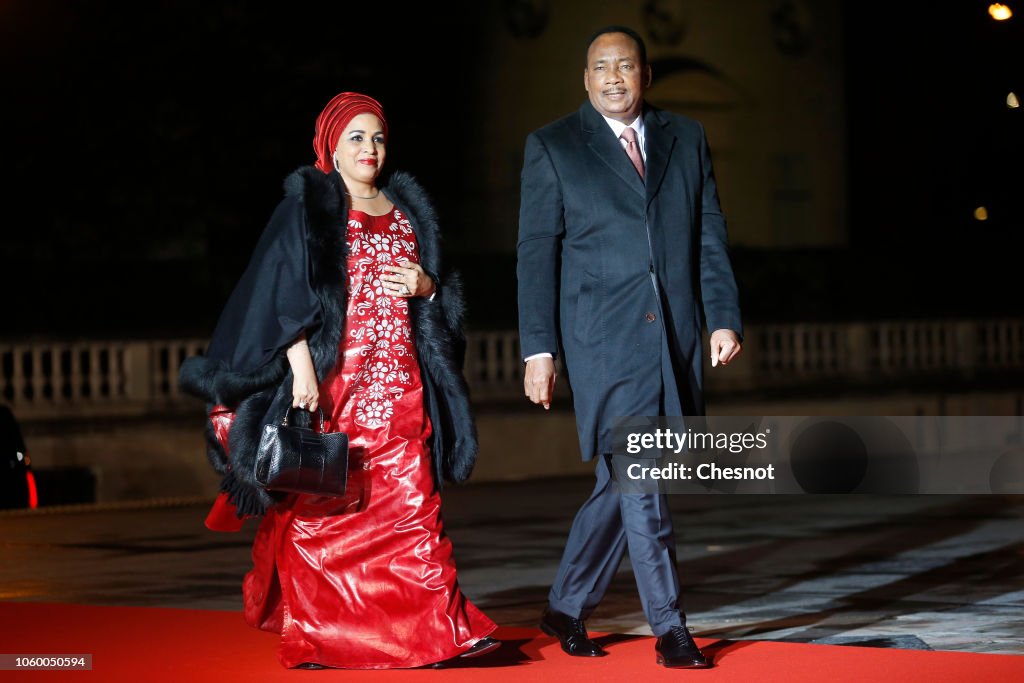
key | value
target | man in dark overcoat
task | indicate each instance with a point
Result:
(622, 258)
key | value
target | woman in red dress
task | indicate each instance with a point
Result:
(366, 580)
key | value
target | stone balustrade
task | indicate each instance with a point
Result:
(43, 380)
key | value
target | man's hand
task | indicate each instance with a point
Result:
(539, 380)
(725, 345)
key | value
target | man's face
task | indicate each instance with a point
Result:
(614, 78)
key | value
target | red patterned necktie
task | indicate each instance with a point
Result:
(633, 150)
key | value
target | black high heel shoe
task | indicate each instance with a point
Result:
(480, 647)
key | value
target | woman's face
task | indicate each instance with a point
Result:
(360, 152)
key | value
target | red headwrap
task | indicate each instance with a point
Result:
(332, 121)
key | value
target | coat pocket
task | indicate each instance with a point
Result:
(585, 317)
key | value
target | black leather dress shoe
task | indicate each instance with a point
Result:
(676, 650)
(571, 633)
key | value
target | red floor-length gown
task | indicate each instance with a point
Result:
(367, 581)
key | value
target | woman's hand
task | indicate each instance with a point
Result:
(305, 391)
(407, 281)
(305, 387)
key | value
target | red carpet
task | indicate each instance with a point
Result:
(141, 644)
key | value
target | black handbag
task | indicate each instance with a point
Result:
(301, 460)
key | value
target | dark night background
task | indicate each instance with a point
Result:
(146, 144)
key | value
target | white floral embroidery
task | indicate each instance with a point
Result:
(403, 225)
(380, 326)
(356, 245)
(382, 348)
(383, 371)
(373, 413)
(387, 244)
(385, 329)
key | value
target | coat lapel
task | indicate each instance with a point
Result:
(602, 142)
(660, 142)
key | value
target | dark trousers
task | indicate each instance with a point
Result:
(606, 525)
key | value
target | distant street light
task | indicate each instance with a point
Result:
(981, 214)
(999, 12)
(1011, 101)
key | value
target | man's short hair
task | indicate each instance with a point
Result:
(616, 28)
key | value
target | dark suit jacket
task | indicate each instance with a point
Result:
(620, 272)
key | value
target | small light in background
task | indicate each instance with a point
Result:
(981, 214)
(999, 12)
(1011, 101)
(33, 493)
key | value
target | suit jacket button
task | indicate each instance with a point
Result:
(651, 317)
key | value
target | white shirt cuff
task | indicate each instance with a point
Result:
(544, 354)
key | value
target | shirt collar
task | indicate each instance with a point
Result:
(617, 126)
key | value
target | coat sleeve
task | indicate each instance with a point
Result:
(719, 293)
(541, 228)
(274, 301)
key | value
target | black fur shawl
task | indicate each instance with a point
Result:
(314, 206)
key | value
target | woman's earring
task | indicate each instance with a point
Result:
(337, 166)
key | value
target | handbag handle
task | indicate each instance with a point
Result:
(284, 421)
